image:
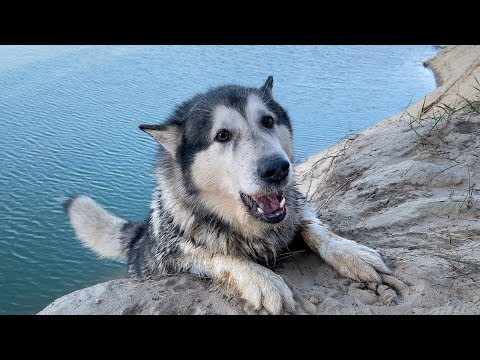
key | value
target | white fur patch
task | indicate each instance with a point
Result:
(256, 108)
(226, 118)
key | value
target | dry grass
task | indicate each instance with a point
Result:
(468, 201)
(431, 121)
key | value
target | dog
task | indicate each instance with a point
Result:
(225, 202)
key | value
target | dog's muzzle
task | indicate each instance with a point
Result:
(268, 208)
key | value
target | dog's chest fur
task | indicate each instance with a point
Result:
(158, 250)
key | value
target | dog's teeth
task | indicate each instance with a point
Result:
(282, 203)
(261, 211)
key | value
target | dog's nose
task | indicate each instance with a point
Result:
(273, 169)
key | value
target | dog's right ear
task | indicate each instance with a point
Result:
(169, 135)
(267, 87)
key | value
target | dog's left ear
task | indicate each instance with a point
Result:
(167, 135)
(267, 87)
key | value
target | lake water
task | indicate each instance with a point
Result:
(68, 125)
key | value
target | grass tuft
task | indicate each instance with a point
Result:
(468, 201)
(432, 119)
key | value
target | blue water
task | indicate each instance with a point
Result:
(68, 125)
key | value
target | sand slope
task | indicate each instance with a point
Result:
(405, 186)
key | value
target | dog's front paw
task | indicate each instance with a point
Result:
(357, 262)
(262, 287)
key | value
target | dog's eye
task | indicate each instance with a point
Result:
(222, 136)
(267, 121)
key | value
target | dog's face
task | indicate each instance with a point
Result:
(234, 148)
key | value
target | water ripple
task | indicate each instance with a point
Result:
(69, 125)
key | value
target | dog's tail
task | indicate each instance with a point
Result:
(109, 236)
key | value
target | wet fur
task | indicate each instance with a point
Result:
(197, 222)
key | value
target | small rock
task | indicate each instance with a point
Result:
(98, 301)
(313, 300)
(308, 307)
(197, 300)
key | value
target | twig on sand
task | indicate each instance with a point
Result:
(338, 189)
(333, 157)
(286, 255)
(451, 167)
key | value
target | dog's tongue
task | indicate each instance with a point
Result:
(269, 203)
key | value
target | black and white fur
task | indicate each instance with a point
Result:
(217, 208)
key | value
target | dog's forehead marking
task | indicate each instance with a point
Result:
(255, 107)
(226, 117)
(225, 114)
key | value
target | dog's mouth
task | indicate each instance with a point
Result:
(267, 208)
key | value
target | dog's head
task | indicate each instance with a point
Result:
(233, 148)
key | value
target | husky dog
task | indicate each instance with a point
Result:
(225, 202)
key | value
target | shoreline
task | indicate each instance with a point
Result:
(436, 75)
(438, 81)
(452, 67)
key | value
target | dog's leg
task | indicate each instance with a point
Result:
(255, 283)
(351, 259)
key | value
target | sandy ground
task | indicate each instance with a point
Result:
(409, 186)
